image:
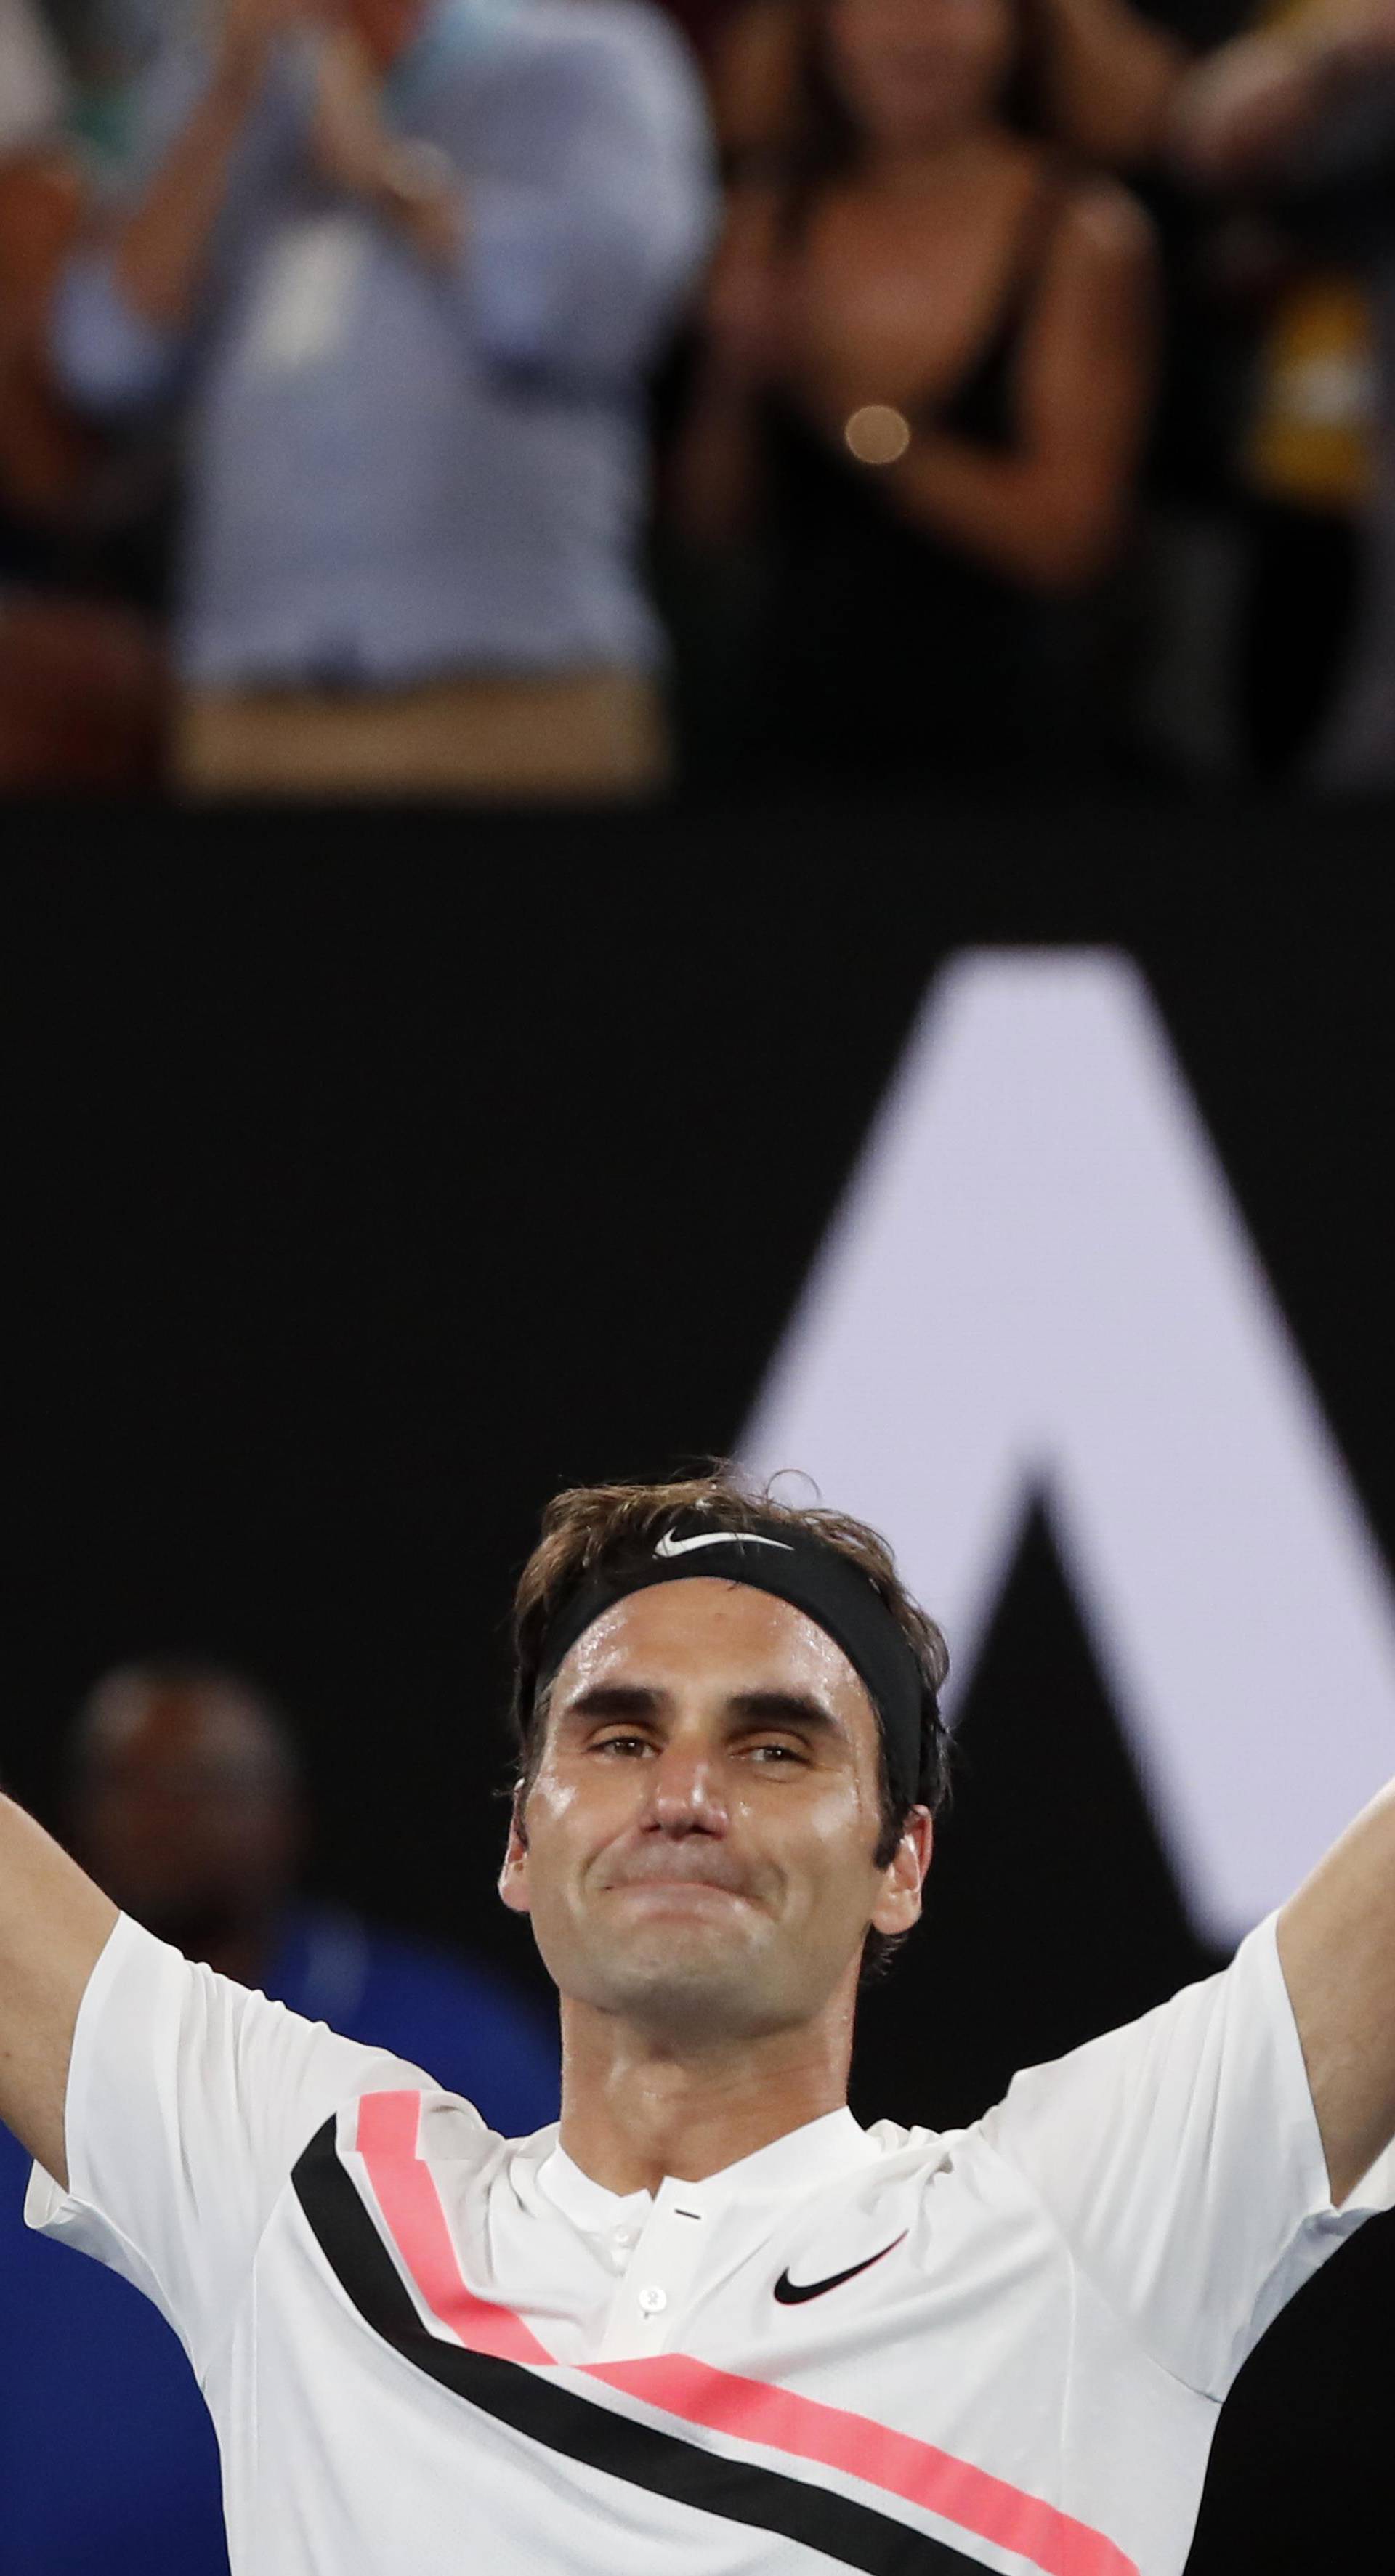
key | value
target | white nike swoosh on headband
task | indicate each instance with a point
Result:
(671, 1546)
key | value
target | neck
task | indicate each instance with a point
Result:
(636, 2109)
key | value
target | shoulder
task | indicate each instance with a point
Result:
(594, 40)
(1102, 228)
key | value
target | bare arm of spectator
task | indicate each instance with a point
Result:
(1050, 513)
(45, 452)
(754, 81)
(162, 246)
(1112, 76)
(1242, 113)
(54, 1925)
(715, 480)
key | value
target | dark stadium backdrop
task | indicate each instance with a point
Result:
(367, 1177)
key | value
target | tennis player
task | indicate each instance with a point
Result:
(710, 2326)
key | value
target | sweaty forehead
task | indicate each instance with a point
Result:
(718, 1637)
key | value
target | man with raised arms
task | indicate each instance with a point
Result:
(709, 2324)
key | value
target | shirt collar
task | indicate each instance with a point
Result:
(801, 2160)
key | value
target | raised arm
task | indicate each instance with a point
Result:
(1241, 114)
(121, 316)
(1337, 1950)
(54, 1925)
(162, 244)
(1111, 76)
(716, 478)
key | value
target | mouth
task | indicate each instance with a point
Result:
(700, 1888)
(684, 1890)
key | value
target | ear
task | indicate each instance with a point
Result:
(513, 1877)
(898, 1905)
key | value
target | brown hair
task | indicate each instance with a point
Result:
(591, 1528)
(821, 143)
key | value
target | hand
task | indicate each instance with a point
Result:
(349, 143)
(412, 184)
(1353, 36)
(251, 30)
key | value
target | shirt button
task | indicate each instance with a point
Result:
(653, 2301)
(624, 2235)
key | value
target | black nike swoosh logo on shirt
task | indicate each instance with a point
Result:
(789, 2293)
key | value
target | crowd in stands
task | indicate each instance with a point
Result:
(579, 399)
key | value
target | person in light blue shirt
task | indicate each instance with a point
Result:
(401, 271)
(186, 1801)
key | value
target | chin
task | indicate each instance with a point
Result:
(692, 1990)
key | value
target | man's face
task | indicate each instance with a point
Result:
(697, 1846)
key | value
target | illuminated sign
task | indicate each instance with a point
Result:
(1039, 1287)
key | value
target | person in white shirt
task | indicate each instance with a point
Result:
(709, 2324)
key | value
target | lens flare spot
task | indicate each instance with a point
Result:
(876, 434)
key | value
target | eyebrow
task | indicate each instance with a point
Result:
(795, 1709)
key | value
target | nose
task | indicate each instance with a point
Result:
(685, 1794)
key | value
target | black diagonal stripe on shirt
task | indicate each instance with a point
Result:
(539, 2407)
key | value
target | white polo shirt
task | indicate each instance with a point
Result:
(424, 2347)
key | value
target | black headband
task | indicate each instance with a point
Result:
(813, 1578)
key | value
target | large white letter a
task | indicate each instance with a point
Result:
(1039, 1285)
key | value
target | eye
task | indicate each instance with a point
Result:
(625, 1744)
(773, 1756)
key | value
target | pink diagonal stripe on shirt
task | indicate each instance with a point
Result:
(806, 2429)
(386, 2139)
(753, 2410)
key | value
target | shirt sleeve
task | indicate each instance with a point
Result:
(584, 237)
(106, 356)
(189, 2099)
(1181, 2160)
(110, 359)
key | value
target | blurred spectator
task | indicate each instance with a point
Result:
(920, 408)
(80, 676)
(1106, 78)
(186, 1803)
(32, 88)
(1303, 455)
(1301, 118)
(404, 273)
